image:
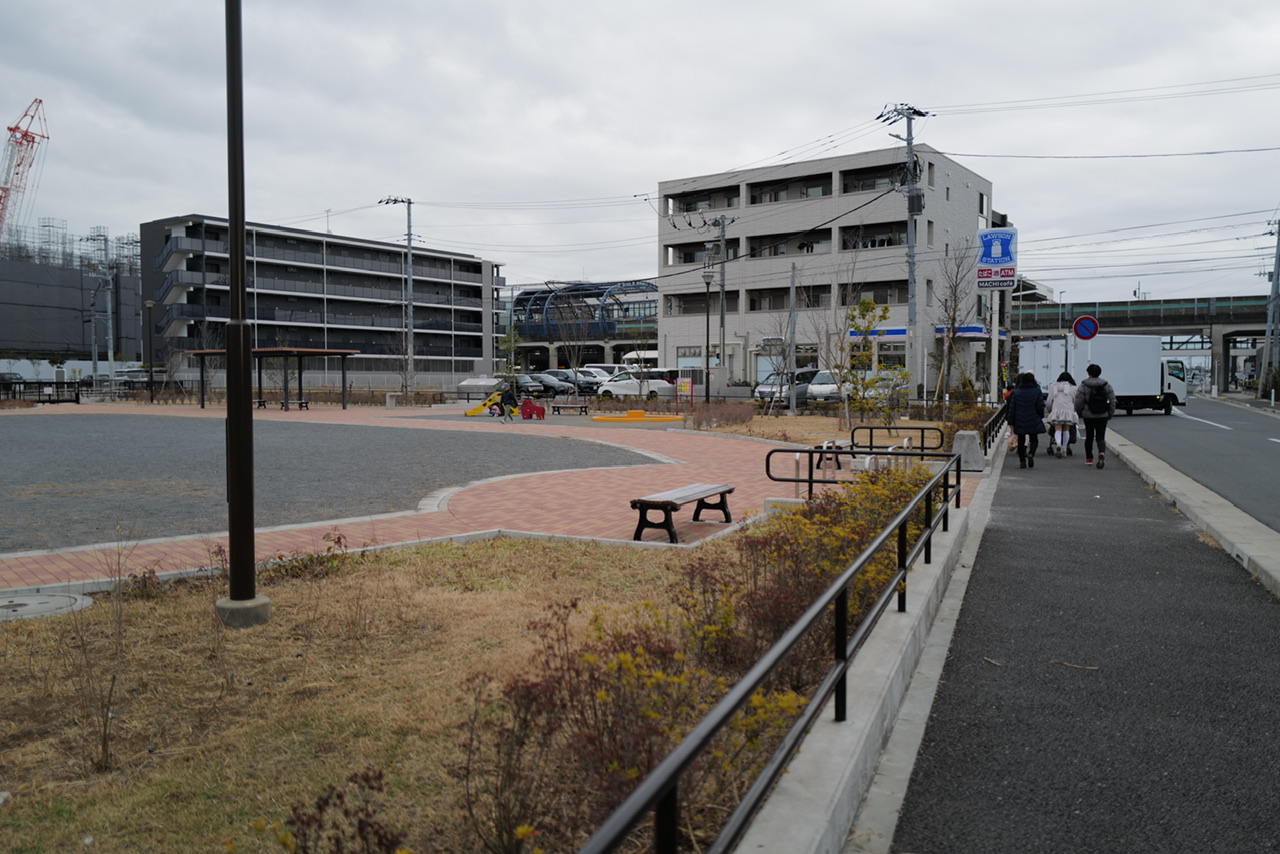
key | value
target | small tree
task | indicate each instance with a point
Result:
(509, 347)
(857, 368)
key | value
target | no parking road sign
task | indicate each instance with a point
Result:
(1085, 327)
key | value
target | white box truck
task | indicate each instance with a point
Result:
(1135, 365)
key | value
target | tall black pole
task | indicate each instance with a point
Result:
(243, 608)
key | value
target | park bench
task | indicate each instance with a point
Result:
(301, 404)
(578, 408)
(674, 499)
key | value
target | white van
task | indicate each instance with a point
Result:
(649, 383)
(609, 368)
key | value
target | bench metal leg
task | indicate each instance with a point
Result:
(721, 504)
(666, 524)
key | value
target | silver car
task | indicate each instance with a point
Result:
(777, 387)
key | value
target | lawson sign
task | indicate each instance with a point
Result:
(997, 257)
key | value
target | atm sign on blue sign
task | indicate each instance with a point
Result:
(997, 257)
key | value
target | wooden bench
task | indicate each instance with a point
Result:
(301, 404)
(674, 499)
(578, 408)
(262, 404)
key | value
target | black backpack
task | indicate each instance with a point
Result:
(1097, 401)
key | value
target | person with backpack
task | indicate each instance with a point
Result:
(1095, 403)
(508, 403)
(1062, 413)
(1026, 417)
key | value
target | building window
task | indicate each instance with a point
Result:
(873, 236)
(931, 175)
(929, 233)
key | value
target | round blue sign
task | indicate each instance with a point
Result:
(1085, 327)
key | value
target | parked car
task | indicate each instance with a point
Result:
(528, 386)
(650, 384)
(586, 383)
(554, 386)
(10, 378)
(610, 368)
(823, 388)
(599, 373)
(777, 387)
(873, 387)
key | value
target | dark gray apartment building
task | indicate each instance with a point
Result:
(309, 289)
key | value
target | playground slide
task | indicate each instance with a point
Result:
(484, 407)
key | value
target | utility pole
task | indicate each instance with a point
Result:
(915, 207)
(722, 222)
(792, 367)
(1273, 318)
(408, 302)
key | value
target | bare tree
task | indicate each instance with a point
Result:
(568, 320)
(832, 329)
(956, 308)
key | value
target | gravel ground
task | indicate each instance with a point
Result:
(82, 479)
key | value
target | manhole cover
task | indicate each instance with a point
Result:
(40, 605)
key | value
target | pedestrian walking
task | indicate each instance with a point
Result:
(1095, 403)
(1026, 417)
(1061, 406)
(508, 403)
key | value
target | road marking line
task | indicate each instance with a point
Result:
(1202, 421)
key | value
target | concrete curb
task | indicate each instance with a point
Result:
(815, 802)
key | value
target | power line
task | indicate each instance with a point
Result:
(1113, 156)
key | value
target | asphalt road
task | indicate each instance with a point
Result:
(1232, 450)
(76, 480)
(1111, 686)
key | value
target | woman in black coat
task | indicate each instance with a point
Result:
(1026, 417)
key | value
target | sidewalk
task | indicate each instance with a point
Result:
(591, 503)
(1110, 684)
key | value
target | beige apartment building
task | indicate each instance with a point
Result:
(842, 224)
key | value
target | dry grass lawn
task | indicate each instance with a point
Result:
(211, 728)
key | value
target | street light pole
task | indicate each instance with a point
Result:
(707, 275)
(151, 353)
(1061, 310)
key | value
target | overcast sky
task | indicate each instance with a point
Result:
(535, 132)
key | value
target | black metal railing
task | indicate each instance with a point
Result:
(877, 437)
(41, 391)
(991, 427)
(658, 793)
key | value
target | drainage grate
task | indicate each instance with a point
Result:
(40, 605)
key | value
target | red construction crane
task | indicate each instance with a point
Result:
(20, 149)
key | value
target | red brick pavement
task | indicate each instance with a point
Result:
(582, 503)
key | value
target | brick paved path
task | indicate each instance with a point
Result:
(582, 503)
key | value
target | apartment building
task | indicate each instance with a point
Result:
(309, 289)
(841, 223)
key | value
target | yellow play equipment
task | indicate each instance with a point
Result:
(491, 400)
(637, 415)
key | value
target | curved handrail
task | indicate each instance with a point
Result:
(658, 792)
